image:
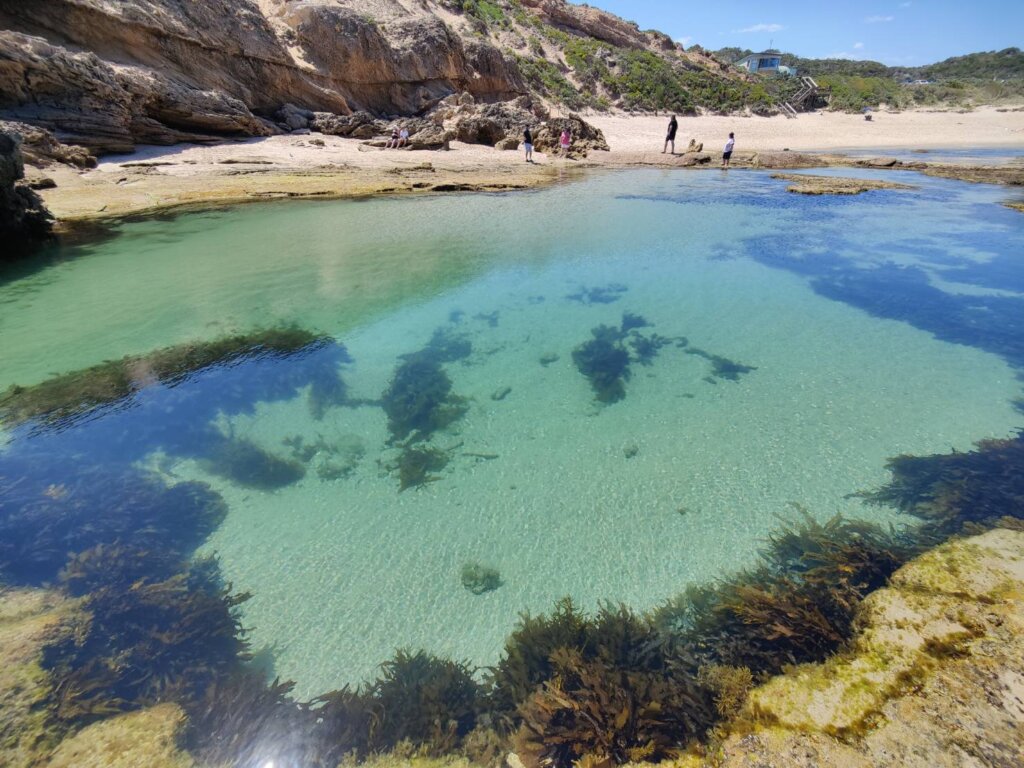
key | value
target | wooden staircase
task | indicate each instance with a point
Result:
(805, 97)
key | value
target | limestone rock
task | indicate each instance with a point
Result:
(40, 148)
(147, 738)
(933, 679)
(585, 137)
(27, 618)
(23, 218)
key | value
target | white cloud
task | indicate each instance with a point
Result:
(761, 28)
(841, 55)
(684, 40)
(905, 5)
(878, 19)
(858, 46)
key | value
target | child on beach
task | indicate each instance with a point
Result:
(565, 142)
(727, 154)
(393, 141)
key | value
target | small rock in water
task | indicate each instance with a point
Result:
(479, 579)
(548, 358)
(630, 450)
(500, 393)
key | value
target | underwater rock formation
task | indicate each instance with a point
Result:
(248, 465)
(78, 392)
(603, 294)
(479, 579)
(806, 184)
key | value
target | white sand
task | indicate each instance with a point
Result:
(982, 128)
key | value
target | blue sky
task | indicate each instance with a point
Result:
(895, 32)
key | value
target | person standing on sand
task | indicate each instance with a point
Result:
(670, 137)
(528, 144)
(727, 154)
(565, 142)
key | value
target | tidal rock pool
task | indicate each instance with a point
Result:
(400, 423)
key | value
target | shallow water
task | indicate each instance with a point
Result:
(884, 324)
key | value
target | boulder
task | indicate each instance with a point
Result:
(41, 148)
(24, 221)
(585, 137)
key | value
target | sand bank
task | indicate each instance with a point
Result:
(158, 178)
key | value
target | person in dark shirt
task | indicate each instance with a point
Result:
(670, 137)
(528, 145)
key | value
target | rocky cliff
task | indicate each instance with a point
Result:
(108, 74)
(23, 219)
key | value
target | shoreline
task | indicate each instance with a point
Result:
(315, 166)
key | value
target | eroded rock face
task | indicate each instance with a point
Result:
(23, 219)
(111, 75)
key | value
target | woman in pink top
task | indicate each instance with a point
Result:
(565, 142)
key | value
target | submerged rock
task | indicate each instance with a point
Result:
(480, 579)
(834, 185)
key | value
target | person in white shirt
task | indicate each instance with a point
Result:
(727, 154)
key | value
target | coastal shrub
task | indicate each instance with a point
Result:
(549, 80)
(76, 393)
(143, 642)
(50, 508)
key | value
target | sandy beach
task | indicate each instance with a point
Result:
(314, 165)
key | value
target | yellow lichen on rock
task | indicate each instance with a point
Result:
(147, 738)
(934, 677)
(27, 618)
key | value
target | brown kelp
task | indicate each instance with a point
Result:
(797, 606)
(419, 400)
(593, 712)
(48, 511)
(79, 392)
(416, 466)
(949, 490)
(145, 641)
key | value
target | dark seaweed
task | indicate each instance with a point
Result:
(605, 294)
(605, 362)
(722, 368)
(419, 400)
(246, 464)
(49, 509)
(415, 466)
(143, 642)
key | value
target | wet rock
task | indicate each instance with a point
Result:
(480, 579)
(548, 358)
(630, 450)
(833, 185)
(500, 393)
(24, 220)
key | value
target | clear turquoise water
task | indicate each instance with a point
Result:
(884, 324)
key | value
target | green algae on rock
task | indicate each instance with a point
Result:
(806, 184)
(78, 392)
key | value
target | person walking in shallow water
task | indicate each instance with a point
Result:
(670, 137)
(727, 154)
(528, 144)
